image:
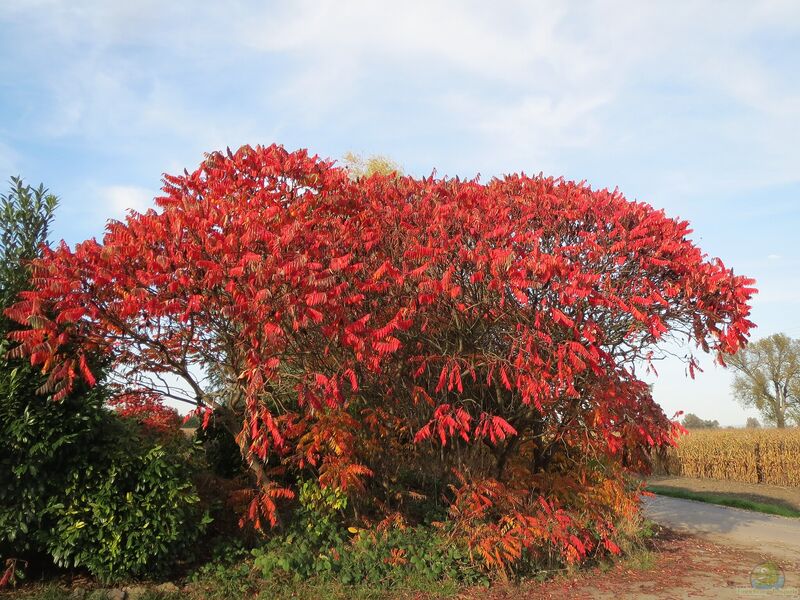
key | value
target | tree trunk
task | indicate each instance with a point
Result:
(780, 409)
(502, 455)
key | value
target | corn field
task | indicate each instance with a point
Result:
(748, 455)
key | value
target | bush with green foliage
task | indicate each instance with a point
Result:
(41, 444)
(317, 545)
(89, 489)
(133, 510)
(79, 485)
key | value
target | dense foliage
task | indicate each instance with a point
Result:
(82, 487)
(222, 455)
(39, 441)
(26, 214)
(403, 340)
(41, 444)
(317, 545)
(132, 510)
(79, 485)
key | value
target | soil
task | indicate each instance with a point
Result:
(685, 566)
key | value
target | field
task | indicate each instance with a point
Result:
(770, 456)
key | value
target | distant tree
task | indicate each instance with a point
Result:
(768, 378)
(752, 423)
(692, 421)
(359, 166)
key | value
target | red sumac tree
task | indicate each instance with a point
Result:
(406, 338)
(148, 409)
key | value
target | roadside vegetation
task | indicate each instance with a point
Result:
(402, 385)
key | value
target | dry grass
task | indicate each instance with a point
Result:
(748, 455)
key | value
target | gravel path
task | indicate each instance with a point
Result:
(766, 534)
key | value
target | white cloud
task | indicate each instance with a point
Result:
(774, 257)
(526, 81)
(84, 213)
(528, 134)
(119, 199)
(474, 37)
(100, 203)
(530, 82)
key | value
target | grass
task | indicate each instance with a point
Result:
(214, 588)
(725, 500)
(641, 559)
(55, 592)
(234, 576)
(46, 592)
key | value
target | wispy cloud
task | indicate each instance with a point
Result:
(675, 101)
(93, 204)
(532, 81)
(122, 198)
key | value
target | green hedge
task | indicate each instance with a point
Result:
(88, 489)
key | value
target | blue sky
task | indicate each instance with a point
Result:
(691, 106)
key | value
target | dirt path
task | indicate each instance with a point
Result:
(708, 551)
(767, 534)
(684, 566)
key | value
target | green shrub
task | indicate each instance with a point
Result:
(41, 444)
(389, 558)
(229, 574)
(79, 485)
(131, 511)
(318, 546)
(88, 489)
(84, 488)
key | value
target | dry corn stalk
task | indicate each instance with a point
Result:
(751, 456)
